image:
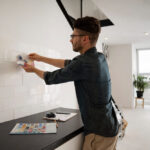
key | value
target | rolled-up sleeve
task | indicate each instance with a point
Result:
(67, 62)
(72, 72)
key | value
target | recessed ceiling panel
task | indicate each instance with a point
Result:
(73, 9)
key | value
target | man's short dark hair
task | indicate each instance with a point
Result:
(89, 26)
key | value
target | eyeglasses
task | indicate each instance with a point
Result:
(73, 35)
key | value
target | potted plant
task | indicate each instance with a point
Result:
(140, 83)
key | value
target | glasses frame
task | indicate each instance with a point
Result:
(73, 35)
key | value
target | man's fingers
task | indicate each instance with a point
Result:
(24, 68)
(27, 67)
(32, 54)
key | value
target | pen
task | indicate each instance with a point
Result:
(56, 123)
(65, 113)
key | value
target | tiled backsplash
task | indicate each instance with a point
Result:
(26, 27)
(24, 93)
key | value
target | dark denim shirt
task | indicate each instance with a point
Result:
(91, 77)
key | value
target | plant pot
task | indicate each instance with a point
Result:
(139, 94)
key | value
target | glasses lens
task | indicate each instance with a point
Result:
(73, 35)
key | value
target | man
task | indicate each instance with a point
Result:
(90, 74)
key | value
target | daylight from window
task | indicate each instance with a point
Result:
(144, 61)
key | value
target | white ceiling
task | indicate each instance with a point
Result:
(131, 19)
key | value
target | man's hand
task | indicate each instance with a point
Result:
(28, 68)
(35, 56)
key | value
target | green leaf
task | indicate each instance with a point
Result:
(140, 82)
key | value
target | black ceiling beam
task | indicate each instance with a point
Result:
(81, 6)
(70, 19)
(106, 22)
(65, 13)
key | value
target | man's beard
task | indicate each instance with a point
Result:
(77, 48)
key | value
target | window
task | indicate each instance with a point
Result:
(143, 64)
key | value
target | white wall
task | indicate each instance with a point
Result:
(134, 68)
(120, 63)
(32, 26)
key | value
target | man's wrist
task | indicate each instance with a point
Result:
(35, 70)
(41, 58)
(40, 73)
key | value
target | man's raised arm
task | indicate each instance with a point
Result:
(55, 62)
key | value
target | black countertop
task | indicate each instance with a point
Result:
(66, 131)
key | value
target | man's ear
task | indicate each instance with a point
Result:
(86, 39)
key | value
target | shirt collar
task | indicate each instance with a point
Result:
(91, 50)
